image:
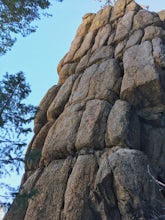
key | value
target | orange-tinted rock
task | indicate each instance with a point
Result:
(41, 116)
(162, 15)
(101, 18)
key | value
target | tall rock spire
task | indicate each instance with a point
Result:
(100, 133)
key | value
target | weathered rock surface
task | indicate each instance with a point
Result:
(142, 77)
(41, 116)
(98, 152)
(123, 127)
(93, 125)
(162, 15)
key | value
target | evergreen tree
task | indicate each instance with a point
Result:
(16, 16)
(15, 116)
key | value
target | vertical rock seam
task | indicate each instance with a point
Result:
(99, 130)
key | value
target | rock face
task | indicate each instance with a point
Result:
(100, 133)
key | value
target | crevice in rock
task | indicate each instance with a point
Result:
(68, 175)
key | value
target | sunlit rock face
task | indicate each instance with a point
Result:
(100, 133)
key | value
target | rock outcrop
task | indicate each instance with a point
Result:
(100, 133)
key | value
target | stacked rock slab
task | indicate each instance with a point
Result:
(100, 133)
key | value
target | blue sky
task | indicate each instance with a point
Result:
(39, 54)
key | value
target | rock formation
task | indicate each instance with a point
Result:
(100, 133)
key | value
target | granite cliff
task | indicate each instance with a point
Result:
(100, 133)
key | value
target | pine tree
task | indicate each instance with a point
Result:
(16, 16)
(15, 117)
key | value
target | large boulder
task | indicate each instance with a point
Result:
(99, 145)
(143, 82)
(123, 127)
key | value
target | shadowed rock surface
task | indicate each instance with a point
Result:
(100, 133)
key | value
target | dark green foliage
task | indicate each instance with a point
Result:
(16, 17)
(20, 204)
(15, 117)
(33, 157)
